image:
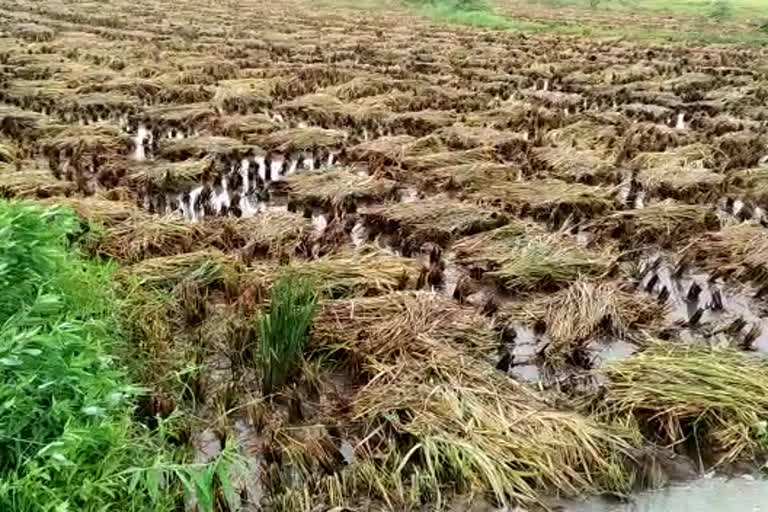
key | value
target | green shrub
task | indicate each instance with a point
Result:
(68, 439)
(284, 330)
(720, 9)
(454, 5)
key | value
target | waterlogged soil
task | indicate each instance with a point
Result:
(414, 106)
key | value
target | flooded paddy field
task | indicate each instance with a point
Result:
(539, 261)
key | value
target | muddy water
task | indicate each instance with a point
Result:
(717, 494)
(720, 304)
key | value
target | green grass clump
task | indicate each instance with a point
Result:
(720, 9)
(476, 13)
(284, 330)
(68, 437)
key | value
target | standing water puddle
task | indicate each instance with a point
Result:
(718, 494)
(715, 305)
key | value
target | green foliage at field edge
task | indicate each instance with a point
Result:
(68, 437)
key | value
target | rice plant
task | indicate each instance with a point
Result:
(284, 330)
(674, 391)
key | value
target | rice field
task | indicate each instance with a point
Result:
(365, 263)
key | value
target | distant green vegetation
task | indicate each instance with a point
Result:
(736, 8)
(705, 21)
(69, 440)
(465, 12)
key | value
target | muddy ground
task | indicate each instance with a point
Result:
(516, 212)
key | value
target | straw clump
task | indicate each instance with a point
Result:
(740, 149)
(31, 183)
(587, 311)
(436, 220)
(678, 182)
(465, 177)
(426, 162)
(78, 142)
(203, 268)
(646, 136)
(739, 250)
(751, 183)
(361, 274)
(460, 136)
(95, 209)
(461, 425)
(143, 236)
(8, 152)
(383, 150)
(244, 95)
(20, 124)
(548, 199)
(584, 135)
(585, 166)
(199, 147)
(339, 190)
(663, 224)
(677, 391)
(298, 139)
(522, 257)
(186, 117)
(244, 126)
(164, 176)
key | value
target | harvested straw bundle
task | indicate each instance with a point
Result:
(522, 257)
(199, 147)
(203, 268)
(436, 220)
(94, 209)
(244, 95)
(465, 177)
(676, 390)
(460, 423)
(663, 224)
(550, 199)
(438, 159)
(360, 274)
(339, 190)
(585, 134)
(31, 183)
(94, 139)
(164, 176)
(586, 166)
(299, 139)
(142, 236)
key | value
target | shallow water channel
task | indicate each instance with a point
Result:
(736, 494)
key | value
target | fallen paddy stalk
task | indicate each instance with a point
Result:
(663, 224)
(522, 257)
(142, 236)
(712, 396)
(586, 311)
(460, 424)
(437, 220)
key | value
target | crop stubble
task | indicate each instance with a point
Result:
(451, 191)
